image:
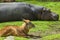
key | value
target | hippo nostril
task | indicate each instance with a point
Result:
(56, 17)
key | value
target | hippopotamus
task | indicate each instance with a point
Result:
(16, 11)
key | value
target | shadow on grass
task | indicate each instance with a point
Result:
(33, 36)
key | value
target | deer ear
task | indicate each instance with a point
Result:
(26, 20)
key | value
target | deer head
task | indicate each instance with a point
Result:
(29, 24)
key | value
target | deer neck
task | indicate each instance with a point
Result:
(24, 28)
(23, 25)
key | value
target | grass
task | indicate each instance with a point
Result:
(49, 30)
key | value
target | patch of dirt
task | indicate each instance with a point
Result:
(34, 36)
(53, 29)
(56, 39)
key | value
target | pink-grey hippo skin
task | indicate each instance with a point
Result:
(16, 11)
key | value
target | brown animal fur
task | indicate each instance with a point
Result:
(17, 30)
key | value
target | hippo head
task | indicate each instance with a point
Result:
(47, 14)
(43, 13)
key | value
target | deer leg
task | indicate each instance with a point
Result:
(14, 31)
(21, 33)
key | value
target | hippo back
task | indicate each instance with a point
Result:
(15, 11)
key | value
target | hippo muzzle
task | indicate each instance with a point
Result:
(55, 16)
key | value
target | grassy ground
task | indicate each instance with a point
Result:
(48, 30)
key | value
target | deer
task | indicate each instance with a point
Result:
(15, 30)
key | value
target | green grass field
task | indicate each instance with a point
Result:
(48, 30)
